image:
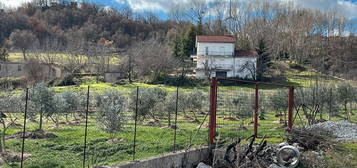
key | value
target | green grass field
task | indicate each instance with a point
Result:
(67, 149)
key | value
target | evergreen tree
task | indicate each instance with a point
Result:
(3, 54)
(263, 61)
(189, 41)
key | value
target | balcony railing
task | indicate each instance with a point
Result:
(217, 66)
(214, 53)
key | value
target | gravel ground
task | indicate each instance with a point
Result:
(343, 130)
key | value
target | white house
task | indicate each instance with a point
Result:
(216, 57)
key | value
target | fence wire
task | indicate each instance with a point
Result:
(140, 122)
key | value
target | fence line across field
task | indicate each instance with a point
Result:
(157, 120)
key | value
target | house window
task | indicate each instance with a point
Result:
(207, 52)
(19, 68)
(221, 74)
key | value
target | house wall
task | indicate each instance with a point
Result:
(231, 65)
(11, 70)
(215, 49)
(17, 70)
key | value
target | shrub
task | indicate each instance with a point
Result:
(196, 101)
(149, 100)
(244, 105)
(42, 98)
(170, 103)
(279, 102)
(346, 95)
(111, 115)
(72, 101)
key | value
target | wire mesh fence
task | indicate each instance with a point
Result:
(235, 109)
(72, 128)
(237, 101)
(84, 128)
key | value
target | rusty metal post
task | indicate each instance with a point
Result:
(213, 111)
(290, 108)
(256, 112)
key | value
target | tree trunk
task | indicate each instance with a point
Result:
(347, 113)
(24, 54)
(41, 116)
(130, 69)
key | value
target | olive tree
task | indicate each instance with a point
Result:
(111, 116)
(279, 103)
(331, 101)
(244, 106)
(149, 101)
(9, 104)
(42, 98)
(311, 101)
(60, 107)
(72, 101)
(195, 102)
(346, 96)
(170, 103)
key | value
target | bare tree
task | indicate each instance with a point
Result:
(150, 58)
(177, 12)
(197, 11)
(22, 39)
(34, 72)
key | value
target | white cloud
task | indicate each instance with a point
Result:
(345, 7)
(13, 3)
(162, 5)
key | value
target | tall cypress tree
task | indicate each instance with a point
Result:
(263, 61)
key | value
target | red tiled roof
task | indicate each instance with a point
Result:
(245, 53)
(212, 39)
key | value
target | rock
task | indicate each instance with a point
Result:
(274, 166)
(343, 130)
(202, 165)
(2, 162)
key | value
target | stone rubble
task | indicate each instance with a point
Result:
(343, 130)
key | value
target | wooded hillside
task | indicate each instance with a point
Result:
(320, 39)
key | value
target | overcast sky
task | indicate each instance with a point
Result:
(348, 7)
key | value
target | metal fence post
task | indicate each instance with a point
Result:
(136, 119)
(86, 130)
(213, 111)
(24, 130)
(176, 111)
(290, 108)
(256, 112)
